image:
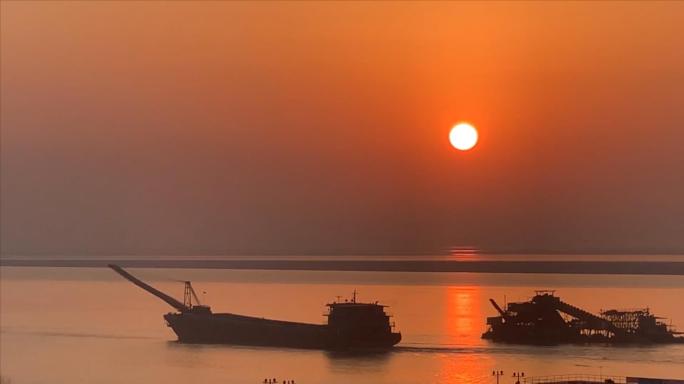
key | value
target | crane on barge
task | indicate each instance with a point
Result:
(188, 293)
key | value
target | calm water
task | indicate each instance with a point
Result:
(79, 325)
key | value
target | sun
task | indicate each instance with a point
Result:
(463, 136)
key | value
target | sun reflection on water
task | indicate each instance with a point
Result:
(463, 315)
(464, 253)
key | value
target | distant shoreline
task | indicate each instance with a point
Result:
(553, 267)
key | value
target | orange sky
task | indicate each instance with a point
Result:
(224, 127)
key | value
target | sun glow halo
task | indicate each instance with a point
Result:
(463, 136)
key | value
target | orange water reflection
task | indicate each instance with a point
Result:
(463, 327)
(463, 315)
(464, 254)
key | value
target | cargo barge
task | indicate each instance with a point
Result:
(351, 324)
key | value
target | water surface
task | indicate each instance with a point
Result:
(84, 325)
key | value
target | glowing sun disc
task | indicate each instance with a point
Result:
(463, 136)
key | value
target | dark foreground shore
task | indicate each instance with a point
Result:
(573, 267)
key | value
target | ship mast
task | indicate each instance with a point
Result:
(189, 294)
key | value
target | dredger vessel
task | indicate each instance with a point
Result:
(546, 319)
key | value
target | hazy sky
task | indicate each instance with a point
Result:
(230, 128)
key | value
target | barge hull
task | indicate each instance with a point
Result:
(226, 328)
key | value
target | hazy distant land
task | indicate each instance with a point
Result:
(572, 267)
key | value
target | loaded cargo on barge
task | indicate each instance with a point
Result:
(351, 325)
(546, 319)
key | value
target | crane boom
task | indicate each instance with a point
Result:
(498, 309)
(168, 299)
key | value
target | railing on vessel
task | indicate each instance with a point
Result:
(575, 379)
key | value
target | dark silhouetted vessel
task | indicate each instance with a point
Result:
(546, 319)
(351, 325)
